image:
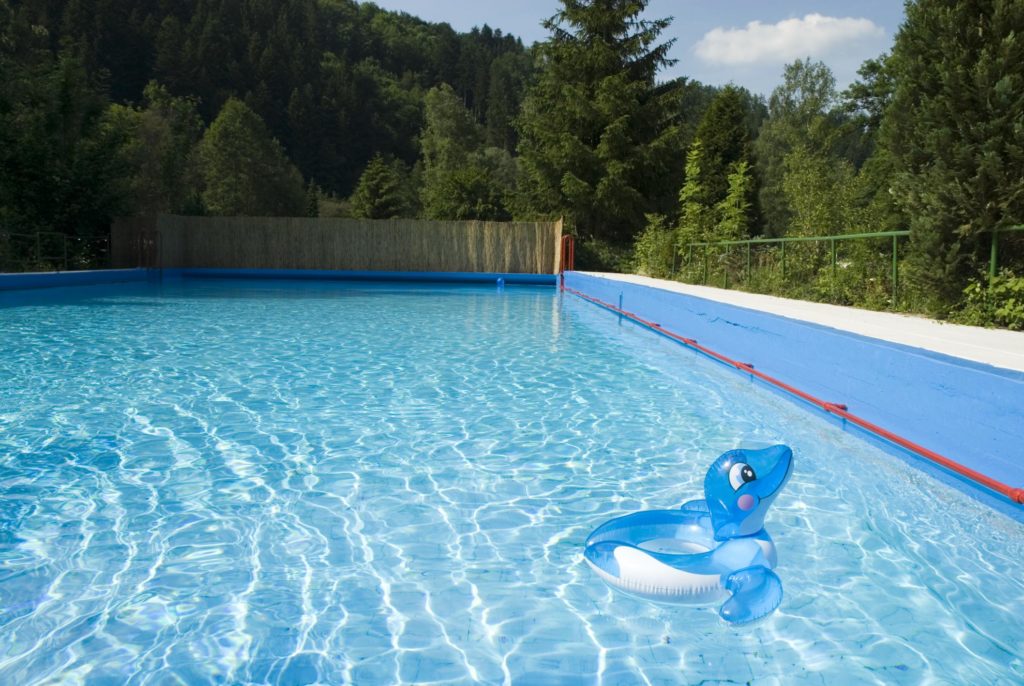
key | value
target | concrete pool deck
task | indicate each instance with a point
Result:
(995, 347)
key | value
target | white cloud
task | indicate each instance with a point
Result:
(814, 35)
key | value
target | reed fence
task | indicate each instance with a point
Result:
(337, 244)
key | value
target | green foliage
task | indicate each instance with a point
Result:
(695, 217)
(597, 255)
(800, 112)
(999, 304)
(597, 144)
(819, 192)
(467, 193)
(158, 146)
(725, 141)
(335, 81)
(245, 170)
(58, 165)
(955, 136)
(733, 211)
(509, 77)
(654, 252)
(385, 191)
(312, 200)
(461, 178)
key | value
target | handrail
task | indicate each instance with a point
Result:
(797, 239)
(1015, 495)
(993, 260)
(568, 254)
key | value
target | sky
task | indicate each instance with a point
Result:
(745, 42)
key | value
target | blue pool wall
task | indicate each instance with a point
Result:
(12, 282)
(969, 412)
(31, 280)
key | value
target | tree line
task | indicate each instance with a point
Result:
(335, 107)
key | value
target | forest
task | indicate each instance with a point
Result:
(340, 108)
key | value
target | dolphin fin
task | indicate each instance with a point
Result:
(756, 592)
(695, 506)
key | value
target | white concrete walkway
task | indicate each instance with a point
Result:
(995, 347)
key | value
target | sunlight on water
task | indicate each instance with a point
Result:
(296, 483)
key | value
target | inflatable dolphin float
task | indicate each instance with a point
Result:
(708, 550)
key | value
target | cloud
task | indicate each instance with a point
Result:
(814, 35)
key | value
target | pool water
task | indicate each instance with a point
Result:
(229, 482)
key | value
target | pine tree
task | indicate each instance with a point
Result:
(384, 191)
(597, 139)
(245, 170)
(955, 135)
(725, 141)
(312, 200)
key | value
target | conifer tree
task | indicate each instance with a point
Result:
(955, 135)
(725, 141)
(597, 139)
(384, 191)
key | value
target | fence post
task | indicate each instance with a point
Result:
(895, 271)
(725, 265)
(993, 258)
(747, 277)
(704, 280)
(783, 260)
(39, 250)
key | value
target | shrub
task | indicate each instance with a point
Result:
(998, 304)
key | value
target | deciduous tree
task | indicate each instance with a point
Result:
(245, 170)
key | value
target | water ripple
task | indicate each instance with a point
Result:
(274, 483)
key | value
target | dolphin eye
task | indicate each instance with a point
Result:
(739, 474)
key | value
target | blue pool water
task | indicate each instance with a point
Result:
(226, 482)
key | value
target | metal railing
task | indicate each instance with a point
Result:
(568, 254)
(832, 241)
(993, 262)
(52, 251)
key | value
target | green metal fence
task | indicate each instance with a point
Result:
(52, 251)
(725, 253)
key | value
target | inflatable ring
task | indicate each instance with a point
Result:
(707, 551)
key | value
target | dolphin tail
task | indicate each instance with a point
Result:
(756, 592)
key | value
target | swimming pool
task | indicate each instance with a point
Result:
(209, 481)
